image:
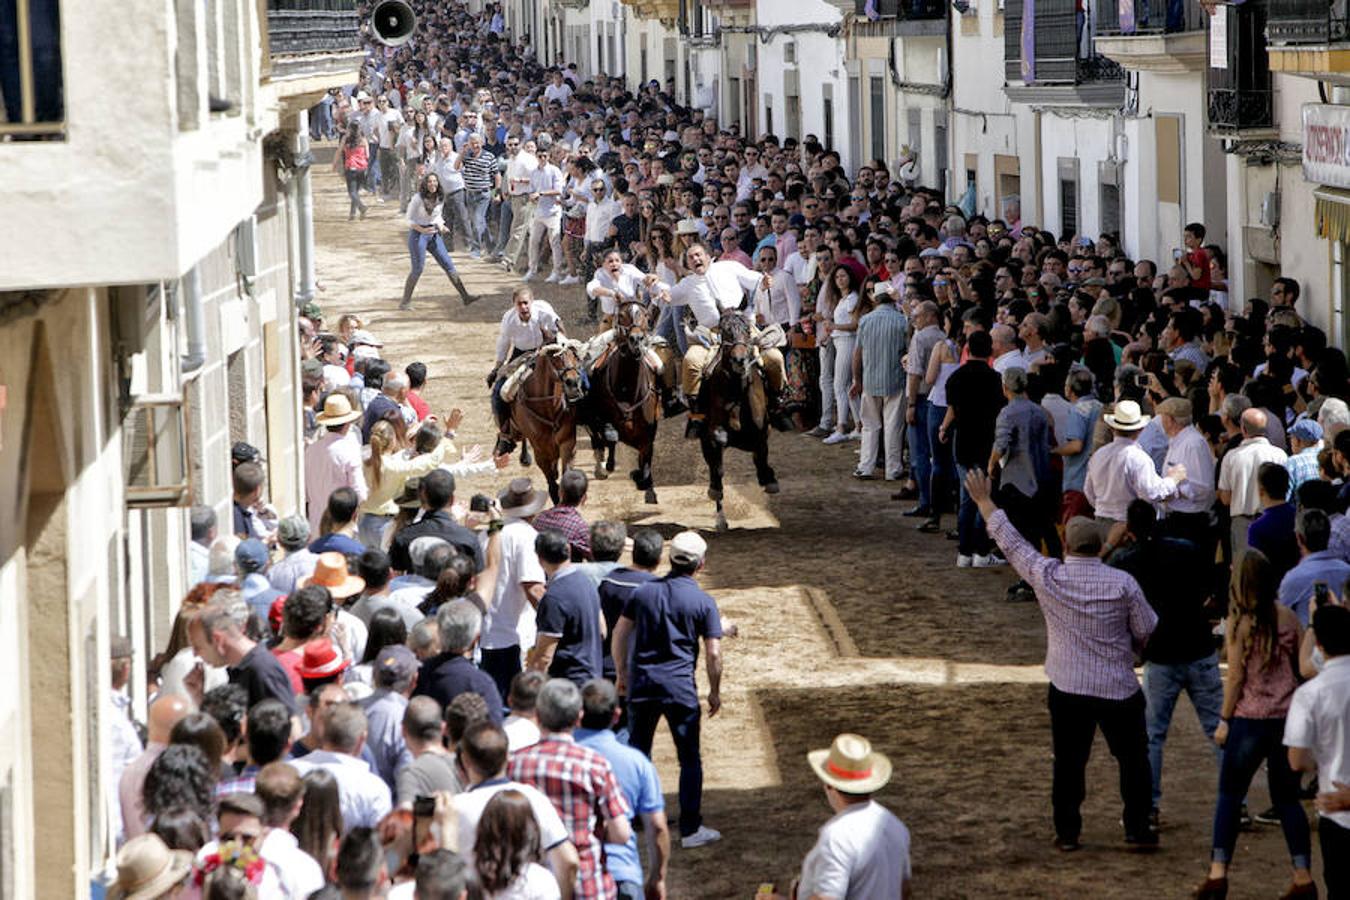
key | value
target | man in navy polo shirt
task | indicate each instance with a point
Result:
(567, 643)
(452, 672)
(655, 652)
(618, 587)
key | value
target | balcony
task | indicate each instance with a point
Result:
(899, 18)
(314, 44)
(1166, 36)
(1048, 61)
(667, 12)
(1310, 37)
(1239, 94)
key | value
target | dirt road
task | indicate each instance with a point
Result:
(849, 620)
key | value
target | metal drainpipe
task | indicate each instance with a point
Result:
(194, 317)
(304, 211)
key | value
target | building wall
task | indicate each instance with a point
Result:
(982, 121)
(821, 64)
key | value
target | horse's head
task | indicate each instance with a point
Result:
(566, 366)
(632, 326)
(734, 329)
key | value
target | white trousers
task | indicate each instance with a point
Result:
(846, 407)
(883, 419)
(552, 227)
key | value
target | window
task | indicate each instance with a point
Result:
(733, 100)
(828, 136)
(790, 53)
(854, 125)
(642, 56)
(1110, 206)
(600, 53)
(1068, 197)
(30, 71)
(794, 116)
(768, 114)
(154, 453)
(877, 102)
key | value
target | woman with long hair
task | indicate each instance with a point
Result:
(1261, 638)
(180, 777)
(355, 157)
(425, 227)
(172, 667)
(319, 825)
(203, 732)
(386, 628)
(506, 851)
(842, 289)
(387, 470)
(944, 360)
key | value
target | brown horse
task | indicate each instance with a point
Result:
(544, 410)
(735, 399)
(626, 395)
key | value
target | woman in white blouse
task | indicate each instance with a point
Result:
(425, 226)
(843, 327)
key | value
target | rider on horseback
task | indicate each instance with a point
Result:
(709, 289)
(528, 325)
(617, 283)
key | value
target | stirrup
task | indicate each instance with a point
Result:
(504, 446)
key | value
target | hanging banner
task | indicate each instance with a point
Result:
(1218, 38)
(1326, 144)
(1028, 41)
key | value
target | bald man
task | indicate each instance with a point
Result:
(1237, 486)
(165, 713)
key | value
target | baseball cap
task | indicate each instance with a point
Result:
(250, 556)
(1083, 535)
(395, 663)
(242, 452)
(687, 547)
(293, 531)
(311, 311)
(1306, 430)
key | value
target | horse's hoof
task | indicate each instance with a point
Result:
(715, 495)
(771, 487)
(609, 465)
(600, 472)
(721, 523)
(650, 496)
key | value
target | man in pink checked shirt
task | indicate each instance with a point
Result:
(1096, 622)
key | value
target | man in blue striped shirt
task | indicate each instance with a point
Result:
(879, 380)
(479, 168)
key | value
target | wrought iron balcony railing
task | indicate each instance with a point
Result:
(1239, 93)
(1116, 17)
(1044, 44)
(1308, 22)
(901, 9)
(312, 26)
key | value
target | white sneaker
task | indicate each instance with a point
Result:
(531, 275)
(570, 279)
(835, 437)
(553, 278)
(964, 561)
(704, 835)
(854, 435)
(989, 562)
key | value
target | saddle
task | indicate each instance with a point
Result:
(514, 374)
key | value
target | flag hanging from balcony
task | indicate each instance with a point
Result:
(1028, 41)
(870, 10)
(1125, 11)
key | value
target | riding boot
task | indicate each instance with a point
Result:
(504, 445)
(778, 416)
(592, 310)
(694, 426)
(463, 292)
(408, 285)
(671, 404)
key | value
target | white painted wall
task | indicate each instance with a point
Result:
(982, 120)
(1087, 140)
(820, 59)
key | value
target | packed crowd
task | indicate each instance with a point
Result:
(402, 689)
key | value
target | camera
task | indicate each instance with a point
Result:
(424, 807)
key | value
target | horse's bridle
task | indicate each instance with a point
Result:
(572, 389)
(631, 321)
(725, 330)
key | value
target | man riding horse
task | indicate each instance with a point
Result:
(528, 325)
(710, 289)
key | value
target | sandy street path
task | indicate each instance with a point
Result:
(849, 621)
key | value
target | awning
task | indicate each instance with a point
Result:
(1331, 211)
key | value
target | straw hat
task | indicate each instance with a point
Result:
(1126, 417)
(851, 766)
(520, 499)
(331, 572)
(147, 868)
(321, 660)
(337, 410)
(686, 226)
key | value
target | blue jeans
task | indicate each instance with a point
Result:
(944, 465)
(419, 245)
(920, 453)
(477, 204)
(972, 538)
(643, 717)
(1163, 684)
(355, 178)
(506, 216)
(373, 177)
(1250, 743)
(370, 529)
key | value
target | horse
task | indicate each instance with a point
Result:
(544, 409)
(734, 398)
(626, 395)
